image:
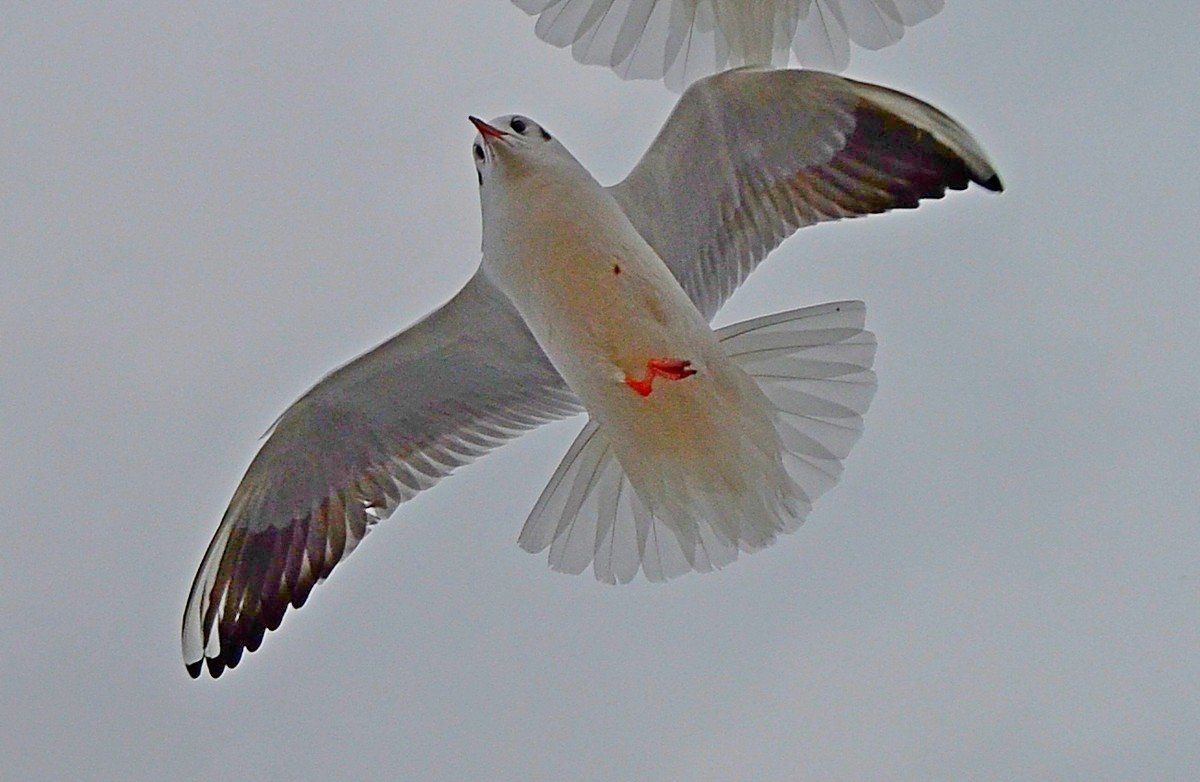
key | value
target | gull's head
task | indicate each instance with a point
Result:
(513, 145)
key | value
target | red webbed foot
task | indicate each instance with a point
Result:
(667, 368)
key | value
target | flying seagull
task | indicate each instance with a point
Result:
(598, 299)
(684, 39)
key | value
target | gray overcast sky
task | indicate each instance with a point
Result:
(203, 208)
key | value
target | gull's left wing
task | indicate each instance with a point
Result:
(750, 155)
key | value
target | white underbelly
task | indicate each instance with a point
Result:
(601, 317)
(713, 428)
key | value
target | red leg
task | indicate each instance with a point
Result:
(668, 368)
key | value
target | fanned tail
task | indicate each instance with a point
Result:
(813, 365)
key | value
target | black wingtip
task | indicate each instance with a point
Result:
(195, 668)
(215, 666)
(993, 183)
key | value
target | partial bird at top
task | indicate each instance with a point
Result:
(699, 444)
(682, 40)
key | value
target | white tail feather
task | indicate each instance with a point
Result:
(685, 39)
(814, 366)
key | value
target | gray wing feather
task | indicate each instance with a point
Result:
(366, 438)
(750, 155)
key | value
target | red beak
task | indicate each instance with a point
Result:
(487, 130)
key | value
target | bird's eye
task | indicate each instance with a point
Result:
(478, 152)
(517, 124)
(545, 135)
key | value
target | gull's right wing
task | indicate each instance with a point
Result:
(366, 438)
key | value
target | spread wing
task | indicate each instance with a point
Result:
(750, 155)
(685, 39)
(368, 437)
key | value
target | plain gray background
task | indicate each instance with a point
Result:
(202, 210)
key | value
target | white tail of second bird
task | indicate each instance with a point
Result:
(682, 40)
